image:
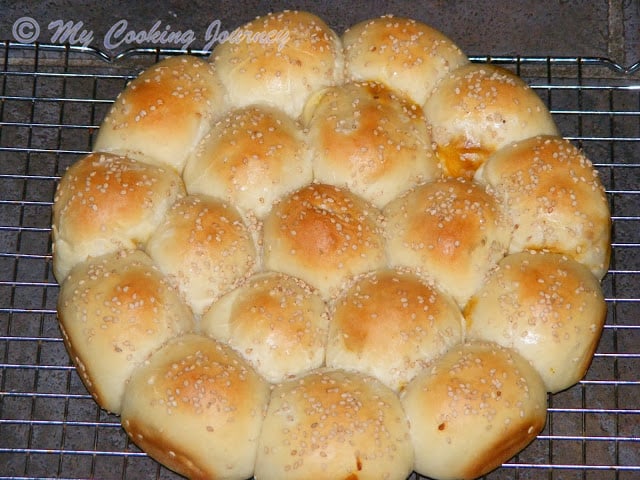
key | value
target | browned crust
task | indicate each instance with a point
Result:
(511, 442)
(323, 234)
(81, 369)
(169, 453)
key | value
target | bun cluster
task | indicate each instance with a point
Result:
(330, 256)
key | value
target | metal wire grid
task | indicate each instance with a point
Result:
(53, 100)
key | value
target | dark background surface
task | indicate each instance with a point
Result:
(51, 428)
(497, 27)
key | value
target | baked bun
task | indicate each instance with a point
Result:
(405, 54)
(107, 202)
(164, 112)
(452, 229)
(546, 306)
(277, 322)
(204, 247)
(324, 235)
(478, 109)
(197, 407)
(279, 59)
(250, 158)
(333, 424)
(369, 139)
(476, 407)
(113, 312)
(554, 197)
(390, 324)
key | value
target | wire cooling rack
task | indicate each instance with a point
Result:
(52, 101)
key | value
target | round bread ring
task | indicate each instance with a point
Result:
(326, 237)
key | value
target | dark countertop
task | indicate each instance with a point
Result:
(51, 428)
(501, 27)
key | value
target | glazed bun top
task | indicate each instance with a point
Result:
(451, 230)
(277, 322)
(472, 410)
(164, 112)
(324, 235)
(204, 247)
(369, 139)
(331, 424)
(478, 109)
(279, 59)
(404, 54)
(108, 202)
(114, 311)
(250, 158)
(196, 406)
(546, 306)
(391, 324)
(555, 198)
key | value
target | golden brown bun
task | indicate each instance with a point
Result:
(324, 235)
(453, 230)
(197, 407)
(298, 55)
(369, 139)
(546, 306)
(105, 203)
(250, 158)
(554, 197)
(390, 324)
(333, 424)
(476, 407)
(405, 54)
(204, 247)
(114, 311)
(163, 113)
(478, 109)
(277, 322)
